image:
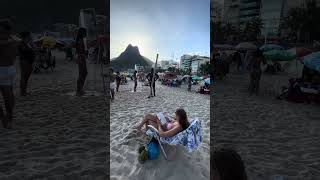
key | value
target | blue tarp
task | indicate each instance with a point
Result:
(312, 61)
(268, 47)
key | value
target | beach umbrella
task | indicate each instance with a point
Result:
(299, 51)
(246, 46)
(48, 42)
(268, 47)
(279, 55)
(186, 76)
(312, 61)
(196, 78)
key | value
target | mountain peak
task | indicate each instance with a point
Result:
(132, 49)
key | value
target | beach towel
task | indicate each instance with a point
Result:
(190, 138)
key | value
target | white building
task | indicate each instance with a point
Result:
(185, 62)
(197, 61)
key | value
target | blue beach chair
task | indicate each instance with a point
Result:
(190, 138)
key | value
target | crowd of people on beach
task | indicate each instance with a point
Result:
(24, 47)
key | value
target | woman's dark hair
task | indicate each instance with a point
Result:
(228, 164)
(183, 119)
(82, 33)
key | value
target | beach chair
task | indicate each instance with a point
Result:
(190, 138)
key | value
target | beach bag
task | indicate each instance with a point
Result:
(153, 150)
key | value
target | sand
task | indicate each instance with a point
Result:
(56, 135)
(274, 137)
(129, 108)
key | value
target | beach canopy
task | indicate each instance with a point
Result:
(223, 46)
(268, 47)
(196, 78)
(300, 51)
(279, 55)
(312, 61)
(66, 41)
(246, 46)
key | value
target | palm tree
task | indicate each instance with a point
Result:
(303, 21)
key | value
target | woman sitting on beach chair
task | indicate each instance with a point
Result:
(167, 126)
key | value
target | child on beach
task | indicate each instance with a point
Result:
(167, 127)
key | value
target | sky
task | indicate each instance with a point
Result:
(170, 28)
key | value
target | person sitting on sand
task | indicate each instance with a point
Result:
(227, 165)
(167, 127)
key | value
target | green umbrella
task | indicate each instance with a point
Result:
(279, 55)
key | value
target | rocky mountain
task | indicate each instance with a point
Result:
(129, 58)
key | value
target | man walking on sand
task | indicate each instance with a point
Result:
(8, 52)
(255, 71)
(152, 85)
(135, 80)
(112, 84)
(118, 80)
(82, 64)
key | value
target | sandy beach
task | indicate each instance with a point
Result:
(56, 135)
(129, 108)
(274, 137)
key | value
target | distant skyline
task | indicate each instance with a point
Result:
(170, 28)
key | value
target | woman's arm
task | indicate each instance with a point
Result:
(170, 133)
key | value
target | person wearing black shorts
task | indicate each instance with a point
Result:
(152, 86)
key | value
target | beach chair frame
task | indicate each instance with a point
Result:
(158, 139)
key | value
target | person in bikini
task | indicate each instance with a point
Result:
(167, 126)
(8, 52)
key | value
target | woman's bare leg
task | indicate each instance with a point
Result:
(148, 119)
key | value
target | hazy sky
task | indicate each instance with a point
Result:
(166, 27)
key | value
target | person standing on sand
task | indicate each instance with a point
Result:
(27, 57)
(8, 52)
(82, 56)
(189, 83)
(118, 80)
(112, 84)
(152, 86)
(135, 79)
(255, 70)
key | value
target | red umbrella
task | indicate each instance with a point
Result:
(300, 51)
